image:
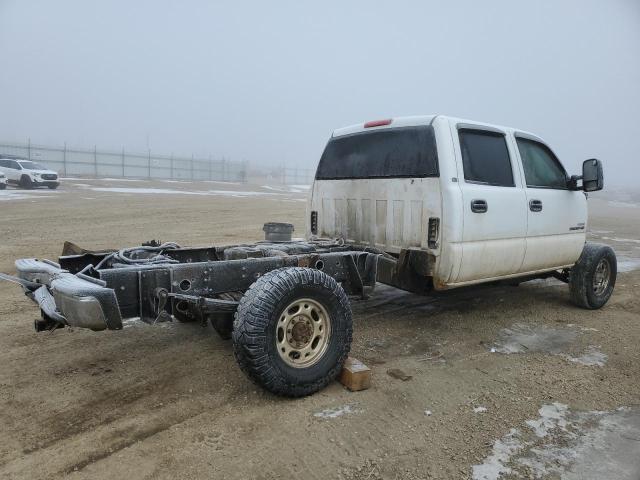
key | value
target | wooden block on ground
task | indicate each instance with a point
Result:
(355, 375)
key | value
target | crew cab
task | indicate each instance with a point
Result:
(426, 204)
(475, 202)
(25, 173)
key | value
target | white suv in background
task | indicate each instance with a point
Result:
(27, 174)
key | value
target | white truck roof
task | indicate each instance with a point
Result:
(414, 120)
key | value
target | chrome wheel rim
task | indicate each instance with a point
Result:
(601, 277)
(302, 333)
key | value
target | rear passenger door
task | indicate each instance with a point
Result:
(494, 204)
(557, 216)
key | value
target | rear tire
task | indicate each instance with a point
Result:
(3, 186)
(593, 277)
(292, 331)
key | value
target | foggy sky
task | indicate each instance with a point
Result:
(267, 82)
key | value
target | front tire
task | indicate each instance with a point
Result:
(593, 277)
(52, 187)
(292, 331)
(3, 186)
(25, 182)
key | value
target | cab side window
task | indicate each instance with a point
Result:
(485, 158)
(541, 167)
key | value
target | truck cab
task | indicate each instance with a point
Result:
(469, 202)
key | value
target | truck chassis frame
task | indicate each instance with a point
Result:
(92, 290)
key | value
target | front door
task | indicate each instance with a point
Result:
(494, 205)
(557, 216)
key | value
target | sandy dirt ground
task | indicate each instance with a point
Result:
(504, 381)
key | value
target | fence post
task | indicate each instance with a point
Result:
(149, 165)
(123, 161)
(64, 159)
(223, 168)
(95, 160)
(29, 148)
(192, 166)
(245, 171)
(171, 160)
(210, 166)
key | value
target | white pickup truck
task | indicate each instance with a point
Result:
(425, 204)
(478, 202)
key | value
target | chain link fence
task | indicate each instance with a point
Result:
(110, 164)
(297, 176)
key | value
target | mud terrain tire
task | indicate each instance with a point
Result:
(593, 277)
(299, 300)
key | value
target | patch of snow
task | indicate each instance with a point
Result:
(592, 357)
(108, 179)
(521, 338)
(168, 191)
(622, 240)
(628, 264)
(79, 178)
(7, 194)
(479, 409)
(133, 322)
(551, 417)
(335, 412)
(568, 445)
(242, 193)
(495, 465)
(277, 189)
(221, 182)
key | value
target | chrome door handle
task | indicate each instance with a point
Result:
(479, 206)
(535, 205)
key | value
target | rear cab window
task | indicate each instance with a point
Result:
(485, 157)
(403, 152)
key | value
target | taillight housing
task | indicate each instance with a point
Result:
(378, 123)
(434, 232)
(314, 222)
